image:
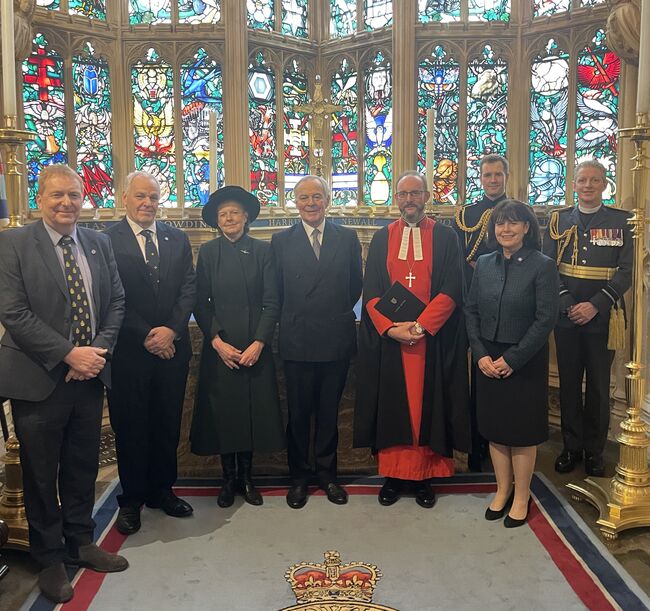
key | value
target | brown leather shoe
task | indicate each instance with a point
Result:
(54, 583)
(96, 559)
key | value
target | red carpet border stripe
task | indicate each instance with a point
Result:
(565, 553)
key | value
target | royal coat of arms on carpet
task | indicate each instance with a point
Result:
(333, 585)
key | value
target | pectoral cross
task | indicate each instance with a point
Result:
(410, 278)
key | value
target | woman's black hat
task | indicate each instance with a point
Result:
(231, 193)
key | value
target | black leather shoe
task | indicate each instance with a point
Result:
(424, 495)
(54, 583)
(96, 559)
(251, 494)
(172, 505)
(492, 514)
(515, 522)
(594, 465)
(390, 492)
(567, 461)
(336, 494)
(128, 520)
(297, 496)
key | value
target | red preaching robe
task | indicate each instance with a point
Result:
(414, 462)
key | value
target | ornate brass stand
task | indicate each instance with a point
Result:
(12, 139)
(12, 509)
(624, 501)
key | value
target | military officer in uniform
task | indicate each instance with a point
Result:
(471, 224)
(592, 245)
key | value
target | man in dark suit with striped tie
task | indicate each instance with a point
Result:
(319, 269)
(61, 303)
(153, 352)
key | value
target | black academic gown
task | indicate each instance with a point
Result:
(236, 410)
(381, 418)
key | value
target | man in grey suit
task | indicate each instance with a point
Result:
(62, 304)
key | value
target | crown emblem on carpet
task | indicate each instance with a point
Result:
(334, 585)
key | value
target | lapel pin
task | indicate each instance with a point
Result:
(93, 252)
(244, 251)
(166, 238)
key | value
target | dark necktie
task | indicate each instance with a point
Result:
(81, 325)
(315, 244)
(152, 257)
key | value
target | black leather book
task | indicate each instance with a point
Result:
(399, 304)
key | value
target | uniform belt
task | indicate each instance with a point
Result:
(587, 273)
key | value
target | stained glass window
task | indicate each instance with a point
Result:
(201, 95)
(549, 102)
(149, 11)
(343, 17)
(88, 8)
(378, 13)
(378, 112)
(93, 120)
(153, 123)
(261, 14)
(591, 2)
(261, 128)
(489, 10)
(296, 127)
(438, 10)
(199, 11)
(44, 106)
(597, 107)
(51, 5)
(438, 106)
(294, 18)
(549, 7)
(345, 138)
(487, 98)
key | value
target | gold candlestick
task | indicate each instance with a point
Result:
(12, 139)
(624, 501)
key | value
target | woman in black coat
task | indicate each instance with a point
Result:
(237, 407)
(510, 312)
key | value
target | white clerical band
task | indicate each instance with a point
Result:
(417, 243)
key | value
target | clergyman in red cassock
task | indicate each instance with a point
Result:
(412, 384)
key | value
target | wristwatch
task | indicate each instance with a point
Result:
(418, 328)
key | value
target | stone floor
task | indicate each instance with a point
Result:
(632, 549)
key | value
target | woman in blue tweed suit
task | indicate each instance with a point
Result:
(510, 311)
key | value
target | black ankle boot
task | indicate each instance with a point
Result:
(248, 490)
(227, 495)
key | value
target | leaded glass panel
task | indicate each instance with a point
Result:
(489, 10)
(294, 18)
(549, 101)
(295, 126)
(96, 9)
(343, 18)
(345, 138)
(378, 113)
(438, 10)
(93, 123)
(201, 94)
(597, 108)
(378, 13)
(149, 11)
(51, 5)
(199, 11)
(438, 104)
(44, 108)
(543, 8)
(261, 14)
(487, 101)
(261, 129)
(153, 123)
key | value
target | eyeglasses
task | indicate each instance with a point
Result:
(405, 194)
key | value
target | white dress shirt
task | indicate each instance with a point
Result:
(137, 230)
